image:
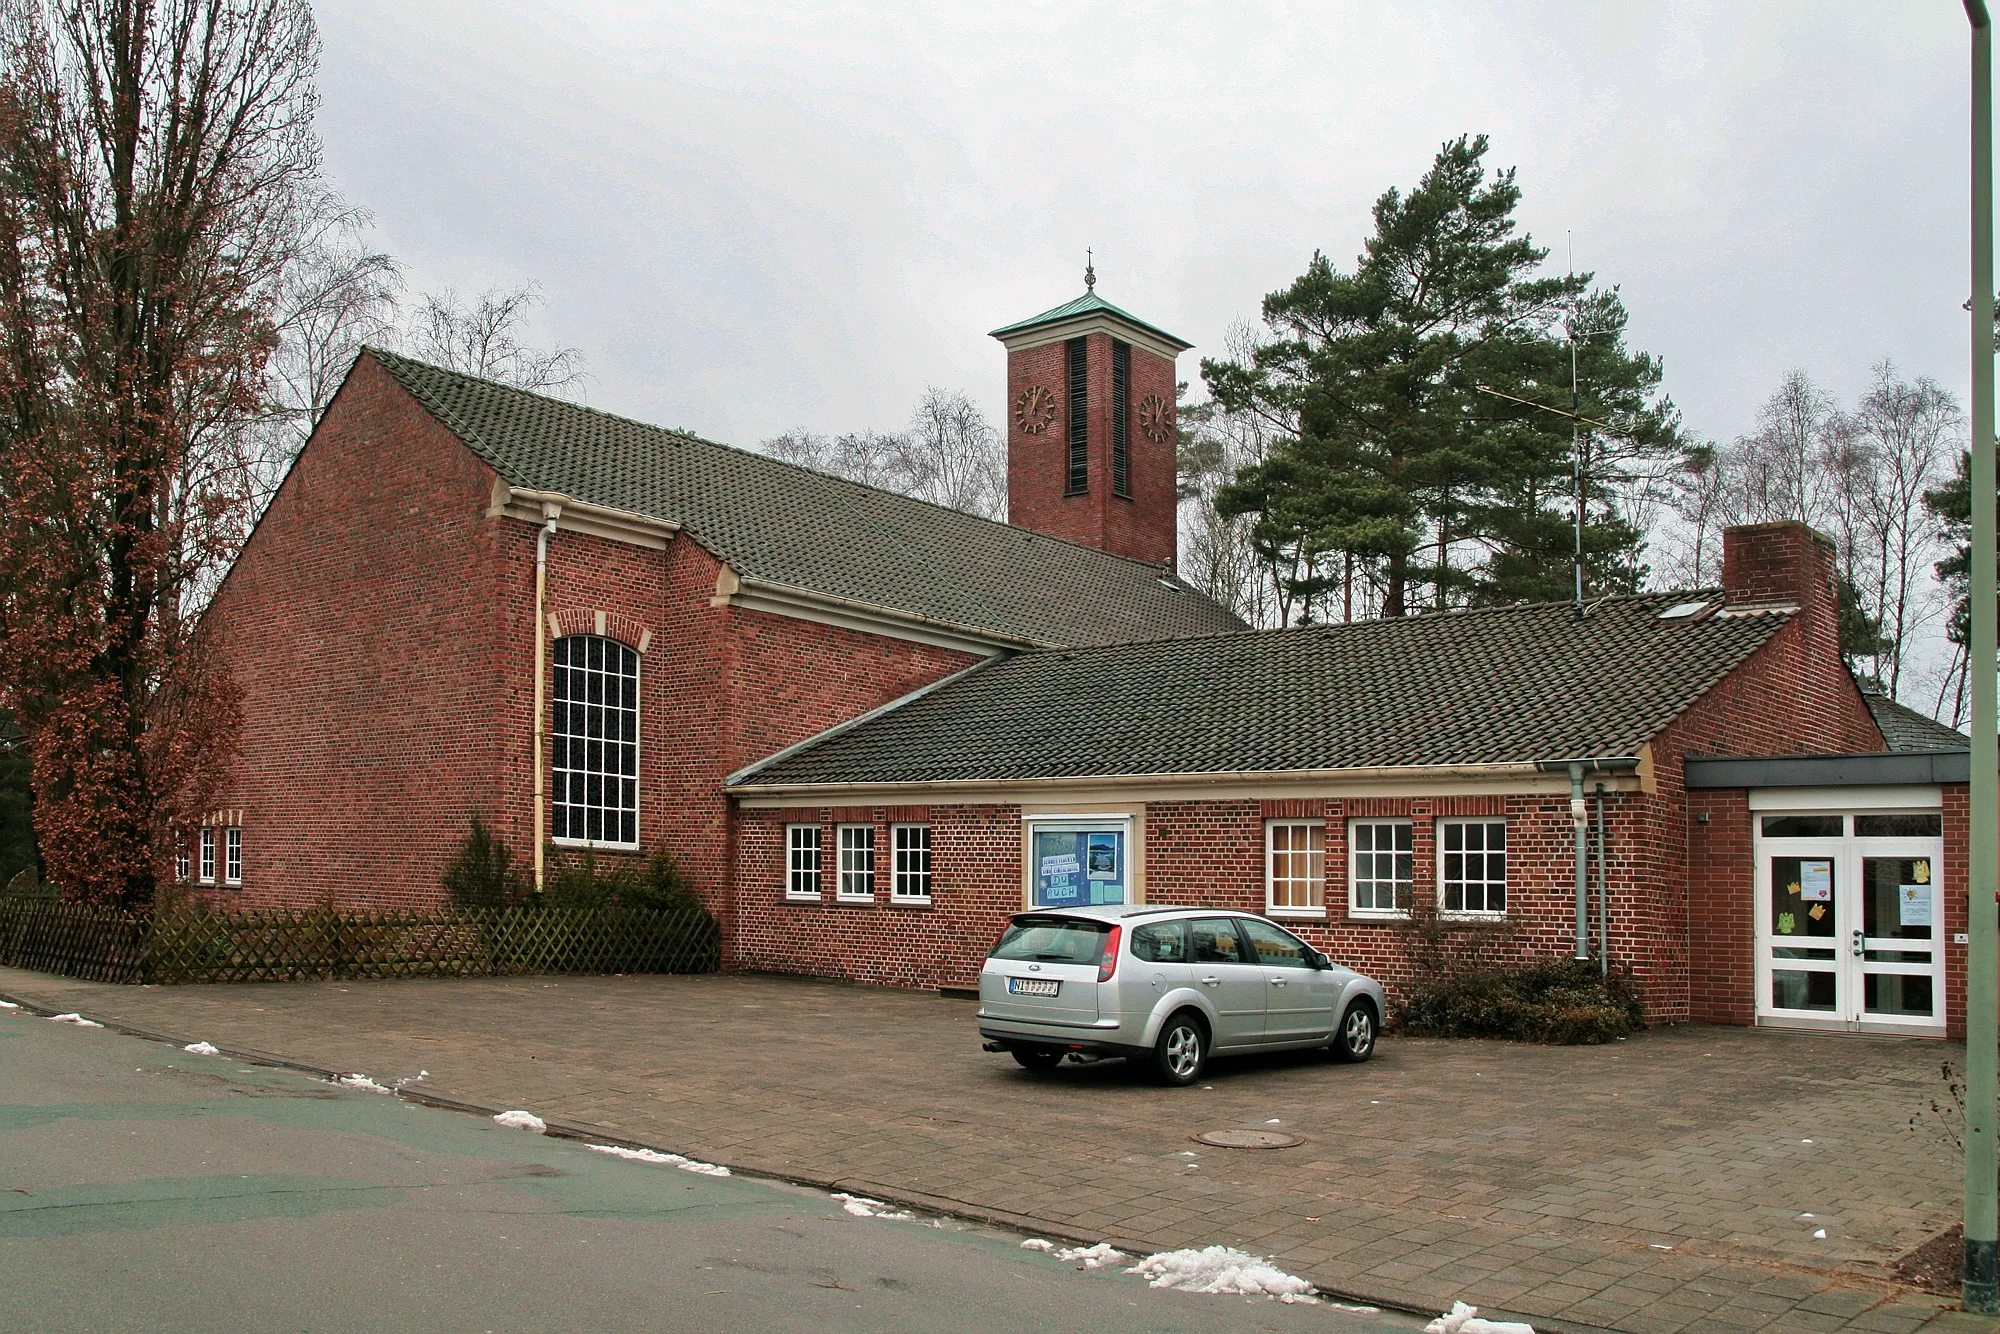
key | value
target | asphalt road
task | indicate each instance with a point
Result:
(143, 1188)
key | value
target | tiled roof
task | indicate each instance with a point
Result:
(789, 525)
(1904, 728)
(1089, 303)
(1503, 684)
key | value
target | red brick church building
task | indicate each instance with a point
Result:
(869, 727)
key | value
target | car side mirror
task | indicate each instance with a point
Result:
(1320, 961)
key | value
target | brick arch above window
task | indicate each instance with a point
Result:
(605, 624)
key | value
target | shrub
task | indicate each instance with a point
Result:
(584, 880)
(1557, 1000)
(482, 875)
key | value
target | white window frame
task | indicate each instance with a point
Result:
(1479, 914)
(559, 776)
(853, 876)
(207, 867)
(901, 875)
(1354, 876)
(1119, 822)
(183, 862)
(797, 873)
(1316, 887)
(232, 855)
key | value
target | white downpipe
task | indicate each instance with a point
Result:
(549, 513)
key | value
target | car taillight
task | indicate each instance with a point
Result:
(1110, 964)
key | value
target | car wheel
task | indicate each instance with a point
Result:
(1354, 1040)
(1037, 1058)
(1182, 1051)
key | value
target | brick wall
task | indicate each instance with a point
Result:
(363, 625)
(1141, 527)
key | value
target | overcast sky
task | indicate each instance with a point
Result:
(750, 221)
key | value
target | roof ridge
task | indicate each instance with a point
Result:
(458, 427)
(1330, 627)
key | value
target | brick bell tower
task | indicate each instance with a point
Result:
(1090, 427)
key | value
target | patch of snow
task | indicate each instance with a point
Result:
(362, 1082)
(1037, 1244)
(1222, 1269)
(1805, 1215)
(201, 1049)
(517, 1120)
(1463, 1319)
(863, 1207)
(76, 1019)
(1358, 1310)
(1805, 1141)
(8, 1005)
(653, 1156)
(1820, 1235)
(1093, 1257)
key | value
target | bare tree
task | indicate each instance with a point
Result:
(484, 339)
(1909, 432)
(951, 455)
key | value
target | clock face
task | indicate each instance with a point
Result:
(1156, 419)
(1034, 409)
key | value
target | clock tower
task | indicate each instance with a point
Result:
(1091, 430)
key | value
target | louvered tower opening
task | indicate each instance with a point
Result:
(1121, 445)
(1079, 420)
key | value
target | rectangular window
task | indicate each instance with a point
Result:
(594, 743)
(1295, 866)
(857, 862)
(1381, 864)
(1472, 866)
(802, 861)
(1121, 445)
(1803, 826)
(207, 856)
(232, 856)
(1078, 421)
(1077, 863)
(181, 871)
(912, 883)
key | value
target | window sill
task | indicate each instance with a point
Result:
(866, 899)
(804, 898)
(596, 845)
(1375, 915)
(1298, 914)
(1474, 917)
(909, 903)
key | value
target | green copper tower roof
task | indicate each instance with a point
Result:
(1090, 303)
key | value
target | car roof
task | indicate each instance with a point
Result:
(1118, 912)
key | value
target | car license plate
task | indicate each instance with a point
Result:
(1032, 986)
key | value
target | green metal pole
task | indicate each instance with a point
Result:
(1982, 1002)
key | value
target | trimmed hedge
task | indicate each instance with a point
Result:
(1557, 1001)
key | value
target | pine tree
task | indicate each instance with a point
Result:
(1404, 461)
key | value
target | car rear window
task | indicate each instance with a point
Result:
(1053, 940)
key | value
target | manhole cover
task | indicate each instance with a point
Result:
(1248, 1139)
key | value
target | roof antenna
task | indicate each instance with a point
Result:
(1089, 271)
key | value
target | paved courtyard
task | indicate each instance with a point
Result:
(1674, 1181)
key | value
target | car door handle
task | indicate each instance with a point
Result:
(1277, 981)
(1211, 981)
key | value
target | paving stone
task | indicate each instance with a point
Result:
(1481, 1173)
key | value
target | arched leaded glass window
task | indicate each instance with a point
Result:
(595, 759)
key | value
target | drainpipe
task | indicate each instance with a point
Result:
(1579, 820)
(549, 514)
(1603, 896)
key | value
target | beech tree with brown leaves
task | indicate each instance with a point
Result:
(157, 167)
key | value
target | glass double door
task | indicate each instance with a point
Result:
(1850, 933)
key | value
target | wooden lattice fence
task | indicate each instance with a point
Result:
(186, 944)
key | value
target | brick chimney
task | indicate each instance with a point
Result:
(1788, 561)
(1091, 433)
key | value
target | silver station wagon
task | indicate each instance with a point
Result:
(1168, 986)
